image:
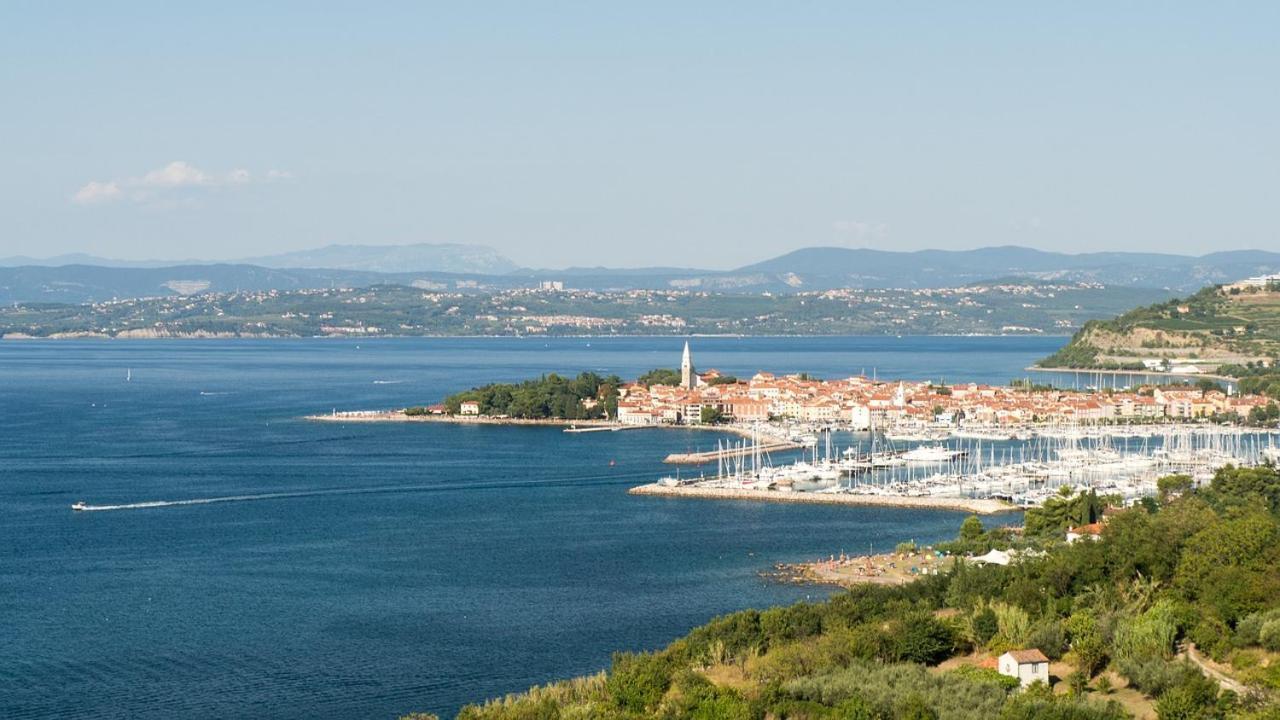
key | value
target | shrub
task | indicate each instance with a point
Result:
(976, 674)
(1191, 699)
(1155, 676)
(1269, 635)
(920, 638)
(1014, 624)
(983, 626)
(1050, 637)
(637, 682)
(914, 707)
(1149, 635)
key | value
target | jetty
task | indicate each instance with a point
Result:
(978, 506)
(710, 456)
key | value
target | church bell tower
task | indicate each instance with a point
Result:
(688, 378)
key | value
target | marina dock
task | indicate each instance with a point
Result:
(710, 456)
(978, 506)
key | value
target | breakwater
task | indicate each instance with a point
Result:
(979, 506)
(710, 456)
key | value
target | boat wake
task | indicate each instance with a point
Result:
(609, 479)
(387, 382)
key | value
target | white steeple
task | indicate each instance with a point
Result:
(688, 378)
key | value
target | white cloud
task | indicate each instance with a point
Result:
(167, 185)
(175, 174)
(96, 192)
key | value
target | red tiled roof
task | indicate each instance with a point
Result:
(1023, 657)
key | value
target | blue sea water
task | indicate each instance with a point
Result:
(451, 564)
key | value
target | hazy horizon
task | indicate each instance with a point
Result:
(712, 137)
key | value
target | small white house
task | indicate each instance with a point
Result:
(469, 407)
(1026, 665)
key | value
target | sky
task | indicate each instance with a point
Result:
(659, 133)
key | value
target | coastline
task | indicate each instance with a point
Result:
(1152, 373)
(848, 571)
(977, 506)
(392, 416)
(146, 334)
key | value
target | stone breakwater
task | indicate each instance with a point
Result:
(979, 506)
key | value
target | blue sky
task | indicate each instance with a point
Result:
(649, 134)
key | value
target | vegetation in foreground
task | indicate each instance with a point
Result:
(1194, 567)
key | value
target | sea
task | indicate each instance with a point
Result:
(371, 570)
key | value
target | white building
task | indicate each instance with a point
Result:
(860, 417)
(1261, 281)
(1026, 665)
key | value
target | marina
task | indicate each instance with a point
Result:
(1019, 469)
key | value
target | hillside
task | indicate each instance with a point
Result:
(1174, 611)
(78, 278)
(925, 268)
(1218, 328)
(400, 310)
(421, 257)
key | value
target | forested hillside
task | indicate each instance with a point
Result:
(1227, 328)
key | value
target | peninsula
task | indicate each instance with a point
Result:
(905, 444)
(1226, 330)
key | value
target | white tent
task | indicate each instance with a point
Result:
(995, 557)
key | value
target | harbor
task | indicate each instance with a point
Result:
(973, 471)
(980, 506)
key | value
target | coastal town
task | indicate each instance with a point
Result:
(860, 402)
(865, 441)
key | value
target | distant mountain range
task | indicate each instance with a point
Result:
(934, 268)
(421, 257)
(444, 258)
(470, 268)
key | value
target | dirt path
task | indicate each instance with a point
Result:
(1209, 668)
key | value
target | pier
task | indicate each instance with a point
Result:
(710, 456)
(978, 506)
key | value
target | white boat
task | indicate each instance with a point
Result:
(79, 506)
(931, 454)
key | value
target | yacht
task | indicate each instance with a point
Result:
(932, 454)
(79, 506)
